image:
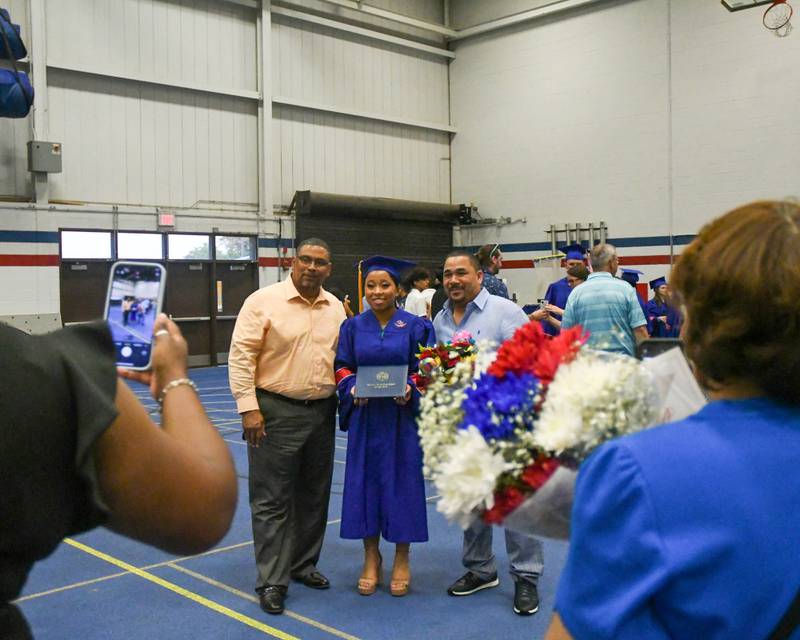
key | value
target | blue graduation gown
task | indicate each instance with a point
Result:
(384, 491)
(557, 294)
(657, 329)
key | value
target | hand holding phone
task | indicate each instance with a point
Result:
(169, 357)
(133, 302)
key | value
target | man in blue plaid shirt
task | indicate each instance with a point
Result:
(491, 259)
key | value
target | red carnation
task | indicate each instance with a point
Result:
(518, 354)
(539, 472)
(505, 502)
(557, 351)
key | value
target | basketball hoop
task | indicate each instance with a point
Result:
(777, 18)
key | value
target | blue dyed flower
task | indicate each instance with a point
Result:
(497, 406)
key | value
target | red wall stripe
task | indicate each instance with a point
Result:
(632, 260)
(264, 261)
(12, 260)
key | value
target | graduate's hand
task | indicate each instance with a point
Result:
(359, 402)
(405, 398)
(662, 319)
(539, 314)
(253, 427)
(551, 308)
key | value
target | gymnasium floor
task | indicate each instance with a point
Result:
(100, 585)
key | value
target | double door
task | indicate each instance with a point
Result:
(203, 297)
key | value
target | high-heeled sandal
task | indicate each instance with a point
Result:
(367, 586)
(399, 588)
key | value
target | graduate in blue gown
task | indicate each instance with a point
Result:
(663, 320)
(631, 276)
(384, 490)
(558, 291)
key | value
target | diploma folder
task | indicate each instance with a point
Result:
(386, 381)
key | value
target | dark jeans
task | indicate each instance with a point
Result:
(290, 485)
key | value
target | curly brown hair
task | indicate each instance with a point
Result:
(740, 283)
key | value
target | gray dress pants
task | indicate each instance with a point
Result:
(290, 485)
(524, 553)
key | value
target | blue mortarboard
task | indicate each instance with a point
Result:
(655, 284)
(393, 266)
(574, 252)
(631, 275)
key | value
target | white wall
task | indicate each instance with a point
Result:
(156, 103)
(653, 116)
(340, 154)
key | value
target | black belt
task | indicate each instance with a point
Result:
(295, 401)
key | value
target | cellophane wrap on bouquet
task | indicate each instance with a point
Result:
(504, 432)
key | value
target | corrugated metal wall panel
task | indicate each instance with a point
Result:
(314, 64)
(15, 180)
(428, 10)
(200, 41)
(131, 143)
(338, 154)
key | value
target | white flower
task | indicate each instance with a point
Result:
(466, 480)
(594, 398)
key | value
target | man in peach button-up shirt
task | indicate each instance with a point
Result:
(281, 374)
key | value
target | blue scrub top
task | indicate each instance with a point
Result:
(688, 530)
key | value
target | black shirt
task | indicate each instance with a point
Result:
(57, 396)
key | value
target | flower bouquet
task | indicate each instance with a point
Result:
(503, 434)
(442, 358)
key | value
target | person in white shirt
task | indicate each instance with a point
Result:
(420, 293)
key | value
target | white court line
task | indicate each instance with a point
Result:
(129, 330)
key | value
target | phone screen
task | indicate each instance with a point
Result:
(135, 294)
(656, 346)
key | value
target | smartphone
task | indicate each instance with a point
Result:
(134, 300)
(656, 346)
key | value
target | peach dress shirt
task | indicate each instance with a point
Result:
(284, 344)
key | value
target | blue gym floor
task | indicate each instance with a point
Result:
(101, 585)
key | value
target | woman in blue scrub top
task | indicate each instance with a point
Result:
(384, 490)
(690, 529)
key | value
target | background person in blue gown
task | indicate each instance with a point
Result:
(384, 490)
(558, 291)
(689, 530)
(663, 318)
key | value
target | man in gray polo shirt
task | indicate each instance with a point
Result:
(606, 307)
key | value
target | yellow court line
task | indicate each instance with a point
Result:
(210, 604)
(251, 598)
(84, 583)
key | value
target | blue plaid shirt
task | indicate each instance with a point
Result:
(495, 285)
(608, 308)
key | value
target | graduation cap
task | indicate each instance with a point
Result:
(631, 275)
(655, 284)
(574, 251)
(393, 266)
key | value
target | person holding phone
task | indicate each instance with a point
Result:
(78, 456)
(559, 291)
(689, 529)
(384, 490)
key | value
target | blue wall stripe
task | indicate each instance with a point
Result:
(642, 241)
(272, 243)
(28, 236)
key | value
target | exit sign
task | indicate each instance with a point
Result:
(166, 220)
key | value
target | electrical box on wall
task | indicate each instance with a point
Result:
(44, 157)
